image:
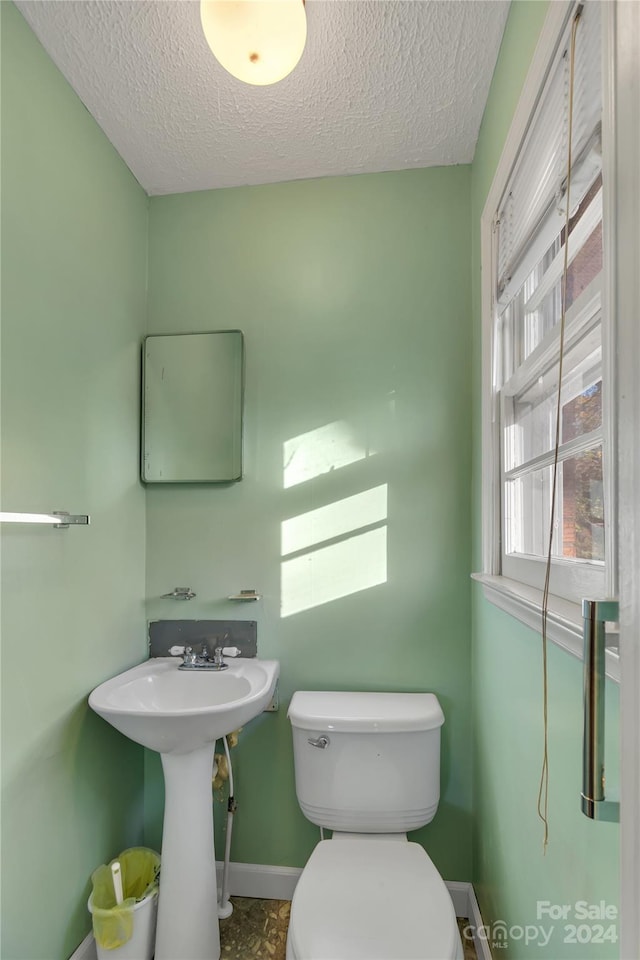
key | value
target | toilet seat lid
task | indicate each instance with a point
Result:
(356, 901)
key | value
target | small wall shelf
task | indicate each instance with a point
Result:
(244, 596)
(179, 593)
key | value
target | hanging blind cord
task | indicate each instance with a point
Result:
(543, 793)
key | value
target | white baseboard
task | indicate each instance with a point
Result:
(459, 893)
(278, 883)
(259, 880)
(465, 904)
(86, 950)
(475, 918)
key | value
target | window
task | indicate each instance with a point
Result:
(527, 341)
(524, 232)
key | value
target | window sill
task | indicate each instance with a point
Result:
(564, 622)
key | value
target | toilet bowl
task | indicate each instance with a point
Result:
(367, 765)
(366, 899)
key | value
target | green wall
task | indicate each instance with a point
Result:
(73, 308)
(353, 294)
(510, 872)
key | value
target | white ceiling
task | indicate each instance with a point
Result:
(382, 85)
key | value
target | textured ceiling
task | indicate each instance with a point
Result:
(382, 85)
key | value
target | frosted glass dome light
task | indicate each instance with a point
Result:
(258, 41)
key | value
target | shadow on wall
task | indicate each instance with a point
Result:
(340, 548)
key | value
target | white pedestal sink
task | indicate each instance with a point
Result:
(181, 714)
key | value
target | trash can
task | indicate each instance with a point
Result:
(126, 931)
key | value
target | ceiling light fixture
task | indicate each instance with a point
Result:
(257, 41)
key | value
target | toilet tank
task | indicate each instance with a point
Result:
(374, 763)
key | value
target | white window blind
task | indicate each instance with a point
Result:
(531, 212)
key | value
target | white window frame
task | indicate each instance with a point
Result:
(627, 284)
(564, 625)
(570, 577)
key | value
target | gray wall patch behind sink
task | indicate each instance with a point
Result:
(164, 634)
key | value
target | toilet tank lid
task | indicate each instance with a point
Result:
(372, 712)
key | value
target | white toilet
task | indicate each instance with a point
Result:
(367, 766)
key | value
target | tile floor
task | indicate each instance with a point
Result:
(468, 945)
(258, 929)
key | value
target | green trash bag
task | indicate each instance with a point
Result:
(113, 923)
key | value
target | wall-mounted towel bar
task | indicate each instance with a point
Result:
(595, 614)
(57, 518)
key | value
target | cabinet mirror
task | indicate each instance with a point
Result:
(192, 399)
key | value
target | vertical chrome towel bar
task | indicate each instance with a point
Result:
(595, 614)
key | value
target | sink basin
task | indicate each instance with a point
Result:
(181, 714)
(177, 711)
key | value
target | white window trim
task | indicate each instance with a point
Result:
(627, 100)
(565, 623)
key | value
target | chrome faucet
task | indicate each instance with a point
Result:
(189, 658)
(218, 660)
(202, 660)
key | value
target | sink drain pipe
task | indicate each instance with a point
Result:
(225, 907)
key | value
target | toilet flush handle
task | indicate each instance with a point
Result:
(321, 742)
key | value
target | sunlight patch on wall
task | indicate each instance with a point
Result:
(326, 448)
(338, 570)
(334, 520)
